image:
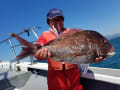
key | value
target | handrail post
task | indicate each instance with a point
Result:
(31, 58)
(35, 34)
(12, 48)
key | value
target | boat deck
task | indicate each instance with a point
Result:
(35, 79)
(10, 79)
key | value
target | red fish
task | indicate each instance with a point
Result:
(75, 47)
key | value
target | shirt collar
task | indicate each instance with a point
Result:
(56, 32)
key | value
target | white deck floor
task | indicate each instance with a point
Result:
(25, 80)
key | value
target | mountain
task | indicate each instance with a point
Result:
(109, 37)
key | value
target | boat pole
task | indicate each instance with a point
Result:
(12, 49)
(35, 34)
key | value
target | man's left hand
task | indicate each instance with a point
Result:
(99, 59)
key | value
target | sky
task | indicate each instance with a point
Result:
(16, 15)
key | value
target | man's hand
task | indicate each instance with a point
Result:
(99, 59)
(43, 53)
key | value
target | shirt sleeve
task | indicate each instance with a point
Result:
(41, 41)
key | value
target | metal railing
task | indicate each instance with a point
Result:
(25, 31)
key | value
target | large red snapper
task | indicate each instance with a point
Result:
(74, 47)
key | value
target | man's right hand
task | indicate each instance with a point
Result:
(43, 53)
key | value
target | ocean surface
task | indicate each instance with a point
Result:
(112, 62)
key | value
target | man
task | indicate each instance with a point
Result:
(60, 76)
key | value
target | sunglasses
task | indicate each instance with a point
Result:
(57, 20)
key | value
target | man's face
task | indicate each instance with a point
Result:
(57, 23)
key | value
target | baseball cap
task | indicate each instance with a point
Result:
(52, 13)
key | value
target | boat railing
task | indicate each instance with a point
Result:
(25, 31)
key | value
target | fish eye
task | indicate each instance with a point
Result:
(104, 41)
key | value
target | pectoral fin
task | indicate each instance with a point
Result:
(80, 60)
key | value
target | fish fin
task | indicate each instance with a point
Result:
(22, 41)
(80, 60)
(26, 51)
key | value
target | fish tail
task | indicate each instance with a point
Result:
(27, 49)
(22, 41)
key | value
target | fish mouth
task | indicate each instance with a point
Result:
(110, 54)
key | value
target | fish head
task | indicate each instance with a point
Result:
(107, 49)
(102, 46)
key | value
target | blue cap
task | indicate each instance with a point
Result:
(52, 13)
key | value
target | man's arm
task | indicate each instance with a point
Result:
(42, 53)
